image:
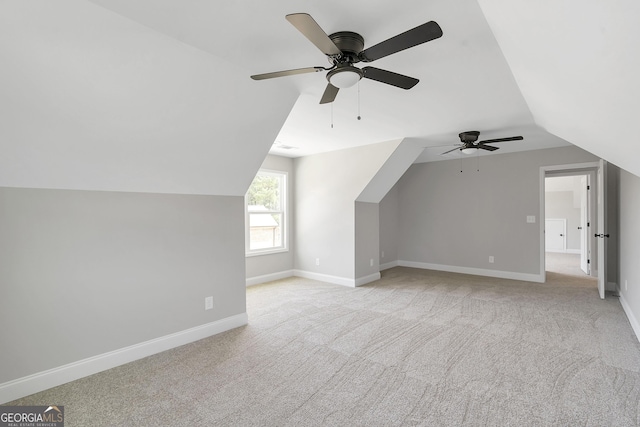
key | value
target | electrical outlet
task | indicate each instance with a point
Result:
(382, 254)
(371, 262)
(625, 285)
(317, 261)
(208, 303)
(491, 259)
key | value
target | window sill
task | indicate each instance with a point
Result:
(266, 252)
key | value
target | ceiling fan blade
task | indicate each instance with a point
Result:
(329, 94)
(512, 138)
(390, 78)
(286, 73)
(486, 147)
(418, 35)
(312, 31)
(452, 150)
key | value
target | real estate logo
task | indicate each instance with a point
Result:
(32, 416)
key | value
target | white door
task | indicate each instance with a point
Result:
(601, 232)
(555, 235)
(584, 250)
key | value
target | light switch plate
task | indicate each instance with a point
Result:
(531, 219)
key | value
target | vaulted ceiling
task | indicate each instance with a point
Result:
(155, 95)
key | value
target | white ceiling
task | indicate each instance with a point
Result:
(155, 95)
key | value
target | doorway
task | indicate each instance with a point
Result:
(594, 228)
(567, 220)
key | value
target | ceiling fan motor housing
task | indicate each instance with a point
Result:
(350, 43)
(469, 136)
(345, 74)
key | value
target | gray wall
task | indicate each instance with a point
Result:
(367, 239)
(83, 273)
(560, 204)
(326, 189)
(261, 265)
(389, 228)
(458, 219)
(629, 241)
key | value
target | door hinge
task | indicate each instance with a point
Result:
(588, 261)
(588, 187)
(588, 224)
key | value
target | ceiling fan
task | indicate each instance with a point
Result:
(470, 144)
(345, 48)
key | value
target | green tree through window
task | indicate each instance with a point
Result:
(265, 191)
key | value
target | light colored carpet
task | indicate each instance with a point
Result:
(564, 263)
(415, 348)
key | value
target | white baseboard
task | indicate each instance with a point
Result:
(325, 278)
(632, 318)
(40, 381)
(343, 281)
(564, 251)
(476, 271)
(367, 279)
(388, 265)
(251, 281)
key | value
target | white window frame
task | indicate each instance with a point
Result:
(284, 212)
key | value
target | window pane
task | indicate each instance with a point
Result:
(265, 231)
(265, 204)
(264, 193)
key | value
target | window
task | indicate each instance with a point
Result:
(265, 213)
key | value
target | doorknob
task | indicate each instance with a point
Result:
(561, 235)
(600, 235)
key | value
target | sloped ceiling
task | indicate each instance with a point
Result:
(92, 100)
(576, 64)
(155, 95)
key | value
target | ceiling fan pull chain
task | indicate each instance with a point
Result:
(359, 100)
(332, 115)
(477, 160)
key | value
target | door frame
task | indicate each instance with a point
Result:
(559, 170)
(585, 209)
(602, 227)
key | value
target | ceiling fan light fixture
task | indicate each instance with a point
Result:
(344, 77)
(469, 150)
